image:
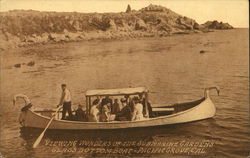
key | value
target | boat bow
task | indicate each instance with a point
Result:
(207, 90)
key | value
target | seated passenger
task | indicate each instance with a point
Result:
(106, 100)
(143, 102)
(125, 112)
(129, 101)
(94, 111)
(80, 114)
(106, 111)
(116, 107)
(138, 109)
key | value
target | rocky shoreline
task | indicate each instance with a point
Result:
(21, 27)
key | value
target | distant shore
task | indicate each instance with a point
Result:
(21, 28)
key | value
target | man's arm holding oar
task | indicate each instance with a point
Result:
(38, 140)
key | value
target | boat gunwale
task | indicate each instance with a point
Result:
(125, 122)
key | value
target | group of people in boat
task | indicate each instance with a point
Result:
(123, 109)
(106, 109)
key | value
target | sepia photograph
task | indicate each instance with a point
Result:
(124, 78)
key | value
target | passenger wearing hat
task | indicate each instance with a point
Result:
(105, 101)
(106, 112)
(129, 102)
(149, 107)
(125, 113)
(138, 110)
(116, 107)
(80, 114)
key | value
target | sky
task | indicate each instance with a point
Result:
(235, 12)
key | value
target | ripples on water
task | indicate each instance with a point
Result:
(172, 68)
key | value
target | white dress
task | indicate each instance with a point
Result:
(94, 114)
(137, 114)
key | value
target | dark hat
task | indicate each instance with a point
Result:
(96, 101)
(80, 105)
(136, 99)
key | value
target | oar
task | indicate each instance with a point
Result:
(38, 140)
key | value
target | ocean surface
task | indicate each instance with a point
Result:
(172, 68)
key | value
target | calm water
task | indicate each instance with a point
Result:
(171, 68)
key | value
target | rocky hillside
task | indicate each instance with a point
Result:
(24, 27)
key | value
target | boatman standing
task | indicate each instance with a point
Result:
(65, 101)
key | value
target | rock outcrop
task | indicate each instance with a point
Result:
(216, 25)
(25, 27)
(128, 10)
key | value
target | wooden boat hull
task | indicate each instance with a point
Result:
(205, 109)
